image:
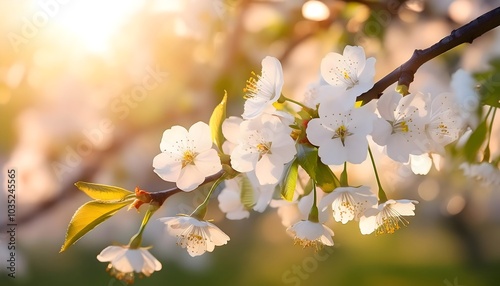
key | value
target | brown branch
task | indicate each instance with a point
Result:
(161, 196)
(404, 74)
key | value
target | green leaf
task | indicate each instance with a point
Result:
(490, 84)
(308, 158)
(247, 192)
(103, 192)
(89, 216)
(290, 181)
(475, 142)
(321, 174)
(218, 116)
(325, 178)
(490, 91)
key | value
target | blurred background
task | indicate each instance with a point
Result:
(88, 87)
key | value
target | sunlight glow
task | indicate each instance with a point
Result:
(95, 22)
(315, 10)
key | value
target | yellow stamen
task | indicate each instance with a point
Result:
(346, 75)
(188, 158)
(264, 148)
(400, 126)
(317, 245)
(390, 222)
(341, 133)
(251, 87)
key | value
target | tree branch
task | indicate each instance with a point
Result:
(404, 74)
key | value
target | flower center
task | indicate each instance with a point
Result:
(188, 158)
(341, 133)
(349, 79)
(443, 128)
(390, 221)
(127, 277)
(252, 86)
(400, 127)
(317, 245)
(264, 148)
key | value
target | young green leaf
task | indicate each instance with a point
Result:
(103, 192)
(290, 182)
(89, 216)
(475, 142)
(326, 179)
(307, 158)
(218, 116)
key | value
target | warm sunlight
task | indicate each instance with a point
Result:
(93, 23)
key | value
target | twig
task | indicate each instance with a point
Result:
(404, 74)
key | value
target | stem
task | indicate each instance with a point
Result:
(343, 177)
(486, 156)
(201, 210)
(161, 196)
(404, 73)
(136, 240)
(313, 214)
(381, 193)
(296, 102)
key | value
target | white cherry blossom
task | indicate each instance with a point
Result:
(243, 193)
(264, 145)
(445, 124)
(401, 129)
(387, 217)
(197, 236)
(264, 90)
(351, 70)
(341, 130)
(187, 156)
(307, 233)
(125, 262)
(349, 203)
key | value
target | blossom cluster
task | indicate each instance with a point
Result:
(279, 156)
(263, 143)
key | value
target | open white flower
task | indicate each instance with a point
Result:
(243, 193)
(125, 262)
(264, 90)
(351, 70)
(349, 203)
(387, 216)
(187, 156)
(264, 145)
(307, 233)
(341, 130)
(401, 128)
(445, 123)
(197, 236)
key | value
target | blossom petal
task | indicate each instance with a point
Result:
(208, 162)
(167, 167)
(190, 178)
(200, 134)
